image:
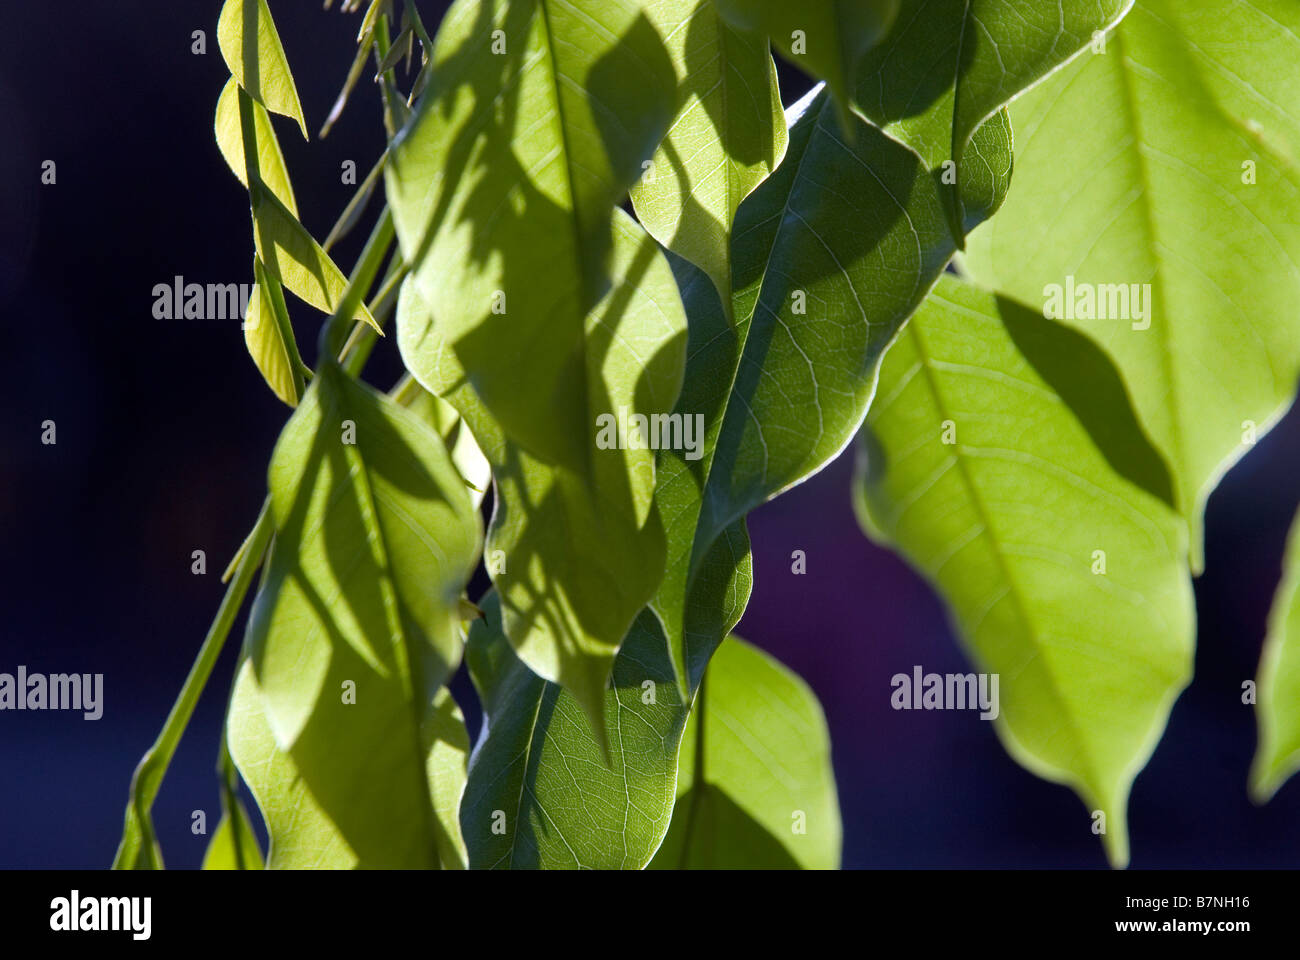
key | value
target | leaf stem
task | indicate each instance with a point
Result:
(352, 211)
(138, 839)
(363, 275)
(363, 338)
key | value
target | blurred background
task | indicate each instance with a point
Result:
(165, 428)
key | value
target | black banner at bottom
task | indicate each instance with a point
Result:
(989, 908)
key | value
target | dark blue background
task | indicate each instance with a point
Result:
(164, 429)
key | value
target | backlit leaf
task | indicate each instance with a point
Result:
(727, 138)
(947, 66)
(265, 326)
(252, 50)
(1158, 197)
(230, 140)
(761, 793)
(293, 257)
(357, 624)
(1278, 687)
(541, 793)
(826, 38)
(303, 836)
(575, 556)
(1003, 460)
(233, 845)
(832, 254)
(503, 188)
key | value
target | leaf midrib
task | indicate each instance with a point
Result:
(544, 12)
(1013, 588)
(359, 480)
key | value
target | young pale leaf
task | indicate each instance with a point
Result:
(755, 787)
(826, 38)
(303, 835)
(540, 116)
(575, 556)
(230, 140)
(357, 624)
(727, 138)
(267, 334)
(252, 50)
(541, 791)
(294, 258)
(1003, 460)
(949, 65)
(1168, 166)
(1278, 688)
(233, 845)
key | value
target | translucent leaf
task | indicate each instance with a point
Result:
(303, 836)
(760, 794)
(230, 139)
(541, 793)
(1278, 688)
(832, 254)
(727, 138)
(504, 187)
(265, 326)
(296, 260)
(233, 845)
(1167, 169)
(825, 38)
(252, 50)
(949, 65)
(1003, 460)
(357, 623)
(575, 556)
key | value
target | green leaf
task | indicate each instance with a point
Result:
(357, 624)
(268, 334)
(293, 257)
(832, 253)
(755, 787)
(1278, 688)
(305, 837)
(827, 38)
(503, 187)
(718, 592)
(575, 556)
(541, 793)
(1132, 168)
(949, 65)
(233, 845)
(230, 140)
(727, 138)
(1003, 460)
(473, 467)
(252, 50)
